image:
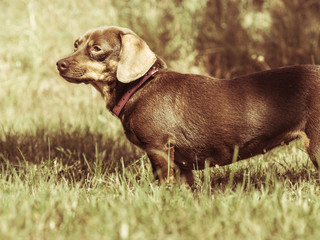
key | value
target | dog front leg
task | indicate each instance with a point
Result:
(162, 161)
(185, 174)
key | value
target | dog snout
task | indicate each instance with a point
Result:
(62, 65)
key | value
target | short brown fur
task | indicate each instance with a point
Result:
(193, 119)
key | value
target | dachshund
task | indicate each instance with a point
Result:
(187, 121)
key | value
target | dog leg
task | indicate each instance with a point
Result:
(314, 152)
(162, 161)
(312, 144)
(185, 175)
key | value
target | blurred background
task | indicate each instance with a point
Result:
(214, 37)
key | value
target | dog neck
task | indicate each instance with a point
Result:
(113, 91)
(116, 110)
(117, 94)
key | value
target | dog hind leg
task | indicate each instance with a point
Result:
(312, 144)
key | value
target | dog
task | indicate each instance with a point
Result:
(186, 121)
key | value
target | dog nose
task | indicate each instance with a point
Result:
(62, 65)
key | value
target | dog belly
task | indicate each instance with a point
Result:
(263, 145)
(197, 160)
(223, 154)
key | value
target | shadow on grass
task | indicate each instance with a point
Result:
(255, 175)
(81, 151)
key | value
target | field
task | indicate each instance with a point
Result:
(66, 168)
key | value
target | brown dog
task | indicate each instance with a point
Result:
(184, 120)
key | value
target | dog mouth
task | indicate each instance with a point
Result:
(77, 80)
(74, 75)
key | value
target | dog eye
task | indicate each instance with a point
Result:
(75, 46)
(96, 48)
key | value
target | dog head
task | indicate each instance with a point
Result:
(107, 54)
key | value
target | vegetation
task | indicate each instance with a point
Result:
(66, 168)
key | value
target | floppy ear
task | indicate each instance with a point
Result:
(135, 59)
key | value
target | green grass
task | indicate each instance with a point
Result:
(83, 191)
(67, 170)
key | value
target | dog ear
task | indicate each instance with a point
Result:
(135, 59)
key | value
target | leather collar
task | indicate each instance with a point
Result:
(126, 96)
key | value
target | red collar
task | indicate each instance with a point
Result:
(126, 96)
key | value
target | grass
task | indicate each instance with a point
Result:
(67, 170)
(87, 192)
